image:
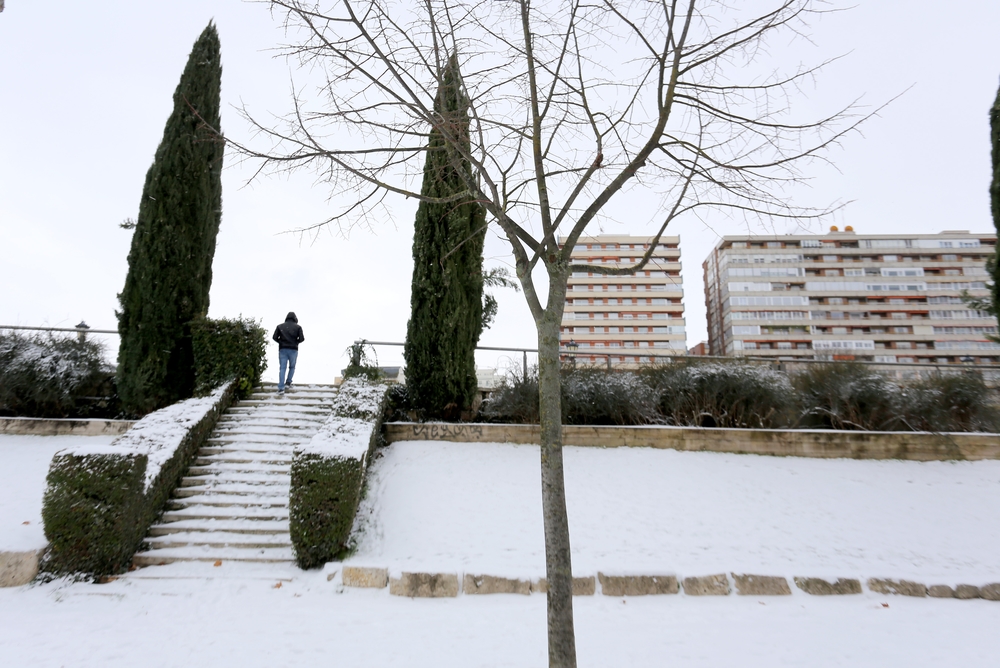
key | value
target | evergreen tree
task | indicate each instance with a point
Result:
(170, 262)
(995, 198)
(446, 300)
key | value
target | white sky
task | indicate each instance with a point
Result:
(85, 89)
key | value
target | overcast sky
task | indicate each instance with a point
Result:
(85, 90)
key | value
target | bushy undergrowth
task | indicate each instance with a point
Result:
(49, 376)
(739, 394)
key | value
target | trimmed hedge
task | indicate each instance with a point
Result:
(225, 349)
(328, 474)
(100, 501)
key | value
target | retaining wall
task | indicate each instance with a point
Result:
(63, 427)
(821, 443)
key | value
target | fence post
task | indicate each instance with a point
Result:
(525, 360)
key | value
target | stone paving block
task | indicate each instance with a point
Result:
(362, 576)
(585, 586)
(17, 568)
(489, 584)
(897, 587)
(761, 585)
(966, 592)
(940, 591)
(637, 585)
(990, 592)
(707, 585)
(820, 587)
(425, 585)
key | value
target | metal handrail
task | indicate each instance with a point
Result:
(78, 330)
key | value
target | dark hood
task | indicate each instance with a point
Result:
(291, 316)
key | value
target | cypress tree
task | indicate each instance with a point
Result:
(170, 261)
(446, 299)
(995, 197)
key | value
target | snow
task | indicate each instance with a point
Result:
(24, 463)
(159, 434)
(341, 438)
(463, 507)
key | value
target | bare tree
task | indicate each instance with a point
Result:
(576, 108)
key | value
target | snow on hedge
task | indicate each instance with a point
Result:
(159, 434)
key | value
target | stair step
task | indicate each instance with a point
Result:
(247, 458)
(229, 501)
(234, 525)
(242, 447)
(278, 422)
(221, 468)
(219, 539)
(203, 512)
(197, 553)
(234, 489)
(256, 438)
(234, 477)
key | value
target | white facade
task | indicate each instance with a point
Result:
(849, 296)
(628, 319)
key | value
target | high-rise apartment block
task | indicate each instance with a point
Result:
(625, 319)
(841, 295)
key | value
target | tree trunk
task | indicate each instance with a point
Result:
(558, 559)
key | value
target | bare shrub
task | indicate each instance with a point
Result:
(846, 396)
(948, 402)
(732, 394)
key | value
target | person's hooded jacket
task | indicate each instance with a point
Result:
(288, 334)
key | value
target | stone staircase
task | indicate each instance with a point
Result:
(233, 503)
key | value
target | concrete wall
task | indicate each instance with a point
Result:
(63, 427)
(823, 443)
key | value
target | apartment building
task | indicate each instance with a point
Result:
(842, 295)
(625, 319)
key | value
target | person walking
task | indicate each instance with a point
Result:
(288, 335)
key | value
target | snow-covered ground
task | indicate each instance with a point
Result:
(475, 508)
(24, 463)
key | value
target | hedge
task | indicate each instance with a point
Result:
(226, 349)
(328, 473)
(100, 501)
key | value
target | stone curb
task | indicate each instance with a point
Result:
(446, 585)
(18, 568)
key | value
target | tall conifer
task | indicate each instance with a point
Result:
(995, 197)
(446, 300)
(170, 262)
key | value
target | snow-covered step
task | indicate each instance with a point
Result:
(240, 525)
(234, 477)
(221, 438)
(233, 488)
(216, 449)
(202, 512)
(197, 553)
(228, 501)
(237, 457)
(219, 539)
(221, 467)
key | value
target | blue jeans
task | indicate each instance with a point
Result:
(286, 357)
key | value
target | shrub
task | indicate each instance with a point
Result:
(328, 474)
(952, 402)
(514, 399)
(596, 396)
(734, 394)
(99, 502)
(48, 376)
(841, 395)
(228, 349)
(363, 363)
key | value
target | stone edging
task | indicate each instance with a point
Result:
(449, 585)
(19, 568)
(820, 443)
(22, 426)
